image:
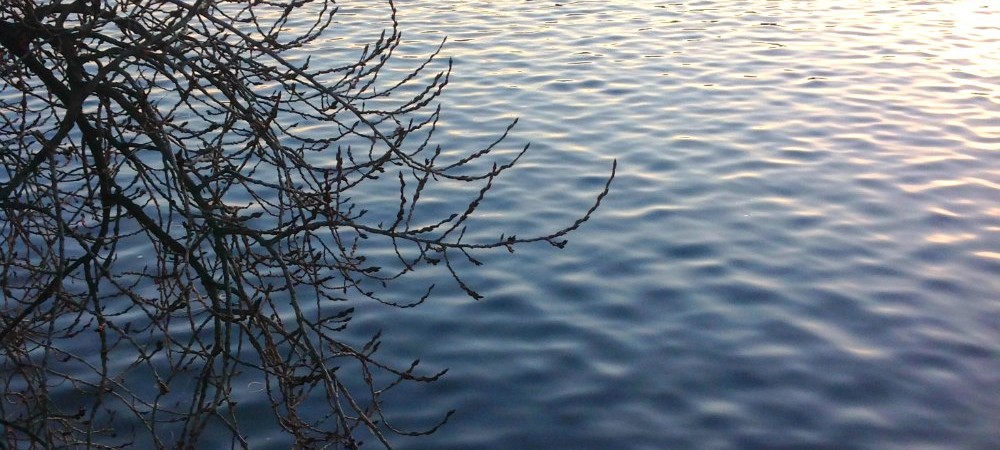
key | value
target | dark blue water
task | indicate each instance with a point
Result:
(802, 248)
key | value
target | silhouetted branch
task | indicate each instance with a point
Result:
(186, 132)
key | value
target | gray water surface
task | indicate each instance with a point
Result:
(801, 249)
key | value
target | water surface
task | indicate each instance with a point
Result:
(801, 250)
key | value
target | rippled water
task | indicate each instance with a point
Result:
(802, 248)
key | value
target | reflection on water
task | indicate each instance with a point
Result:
(801, 249)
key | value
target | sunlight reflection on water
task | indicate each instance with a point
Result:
(801, 250)
(772, 268)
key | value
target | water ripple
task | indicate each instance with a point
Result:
(802, 248)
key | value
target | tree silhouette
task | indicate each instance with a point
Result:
(254, 180)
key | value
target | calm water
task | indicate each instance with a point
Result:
(802, 249)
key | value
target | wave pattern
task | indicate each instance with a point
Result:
(802, 249)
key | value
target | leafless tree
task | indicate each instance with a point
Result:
(186, 131)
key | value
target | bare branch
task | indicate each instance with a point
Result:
(252, 183)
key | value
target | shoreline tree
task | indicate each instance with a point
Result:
(186, 131)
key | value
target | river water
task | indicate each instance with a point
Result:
(801, 248)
